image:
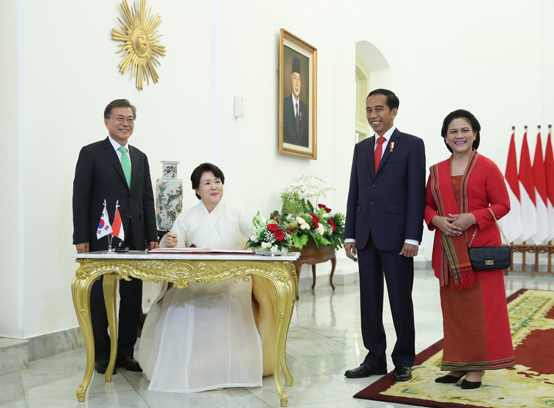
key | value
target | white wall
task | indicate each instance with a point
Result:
(491, 58)
(10, 251)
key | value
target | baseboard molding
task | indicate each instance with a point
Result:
(52, 344)
(14, 355)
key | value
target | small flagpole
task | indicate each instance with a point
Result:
(116, 207)
(523, 255)
(550, 243)
(110, 236)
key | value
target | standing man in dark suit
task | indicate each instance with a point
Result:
(112, 170)
(295, 114)
(384, 223)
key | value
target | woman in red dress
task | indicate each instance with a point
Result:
(463, 192)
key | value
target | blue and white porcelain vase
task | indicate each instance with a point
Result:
(169, 196)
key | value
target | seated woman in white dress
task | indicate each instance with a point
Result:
(205, 336)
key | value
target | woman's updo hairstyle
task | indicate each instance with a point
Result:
(461, 114)
(200, 170)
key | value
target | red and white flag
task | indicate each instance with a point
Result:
(116, 225)
(549, 171)
(511, 222)
(540, 194)
(104, 227)
(527, 193)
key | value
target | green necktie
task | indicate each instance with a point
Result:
(125, 164)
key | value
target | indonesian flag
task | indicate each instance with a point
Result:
(116, 225)
(540, 194)
(104, 227)
(549, 171)
(511, 222)
(527, 193)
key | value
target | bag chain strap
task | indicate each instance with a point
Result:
(499, 227)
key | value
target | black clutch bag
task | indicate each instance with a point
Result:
(491, 257)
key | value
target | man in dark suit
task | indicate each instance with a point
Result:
(295, 114)
(113, 171)
(384, 223)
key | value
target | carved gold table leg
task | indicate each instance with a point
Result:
(80, 290)
(110, 286)
(286, 294)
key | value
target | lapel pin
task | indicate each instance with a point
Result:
(391, 146)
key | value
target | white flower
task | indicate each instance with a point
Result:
(254, 237)
(300, 220)
(325, 215)
(274, 249)
(321, 229)
(304, 226)
(265, 245)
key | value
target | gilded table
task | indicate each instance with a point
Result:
(180, 269)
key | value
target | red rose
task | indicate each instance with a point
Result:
(273, 227)
(332, 224)
(279, 235)
(314, 217)
(324, 207)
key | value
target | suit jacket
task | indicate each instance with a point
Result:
(99, 176)
(388, 204)
(290, 135)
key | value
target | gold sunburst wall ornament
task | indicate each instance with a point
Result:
(140, 46)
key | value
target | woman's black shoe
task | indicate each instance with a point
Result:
(470, 385)
(448, 379)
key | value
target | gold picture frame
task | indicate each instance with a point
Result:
(297, 97)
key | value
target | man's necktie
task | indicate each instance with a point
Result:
(297, 121)
(125, 164)
(379, 152)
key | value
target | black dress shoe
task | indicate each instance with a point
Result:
(365, 370)
(128, 363)
(448, 379)
(470, 385)
(102, 365)
(402, 373)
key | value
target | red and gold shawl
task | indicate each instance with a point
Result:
(454, 252)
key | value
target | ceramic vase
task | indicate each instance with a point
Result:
(169, 196)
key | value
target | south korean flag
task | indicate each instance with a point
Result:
(104, 227)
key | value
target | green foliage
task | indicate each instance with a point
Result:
(299, 240)
(292, 203)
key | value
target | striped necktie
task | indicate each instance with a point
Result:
(125, 164)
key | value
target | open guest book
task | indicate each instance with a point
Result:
(199, 251)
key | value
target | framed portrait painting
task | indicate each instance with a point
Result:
(297, 97)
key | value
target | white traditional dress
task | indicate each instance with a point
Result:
(204, 337)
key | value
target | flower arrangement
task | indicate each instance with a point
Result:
(272, 237)
(300, 223)
(317, 225)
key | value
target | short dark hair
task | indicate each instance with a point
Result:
(461, 114)
(392, 99)
(200, 170)
(119, 103)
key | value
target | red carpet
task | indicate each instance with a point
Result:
(529, 384)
